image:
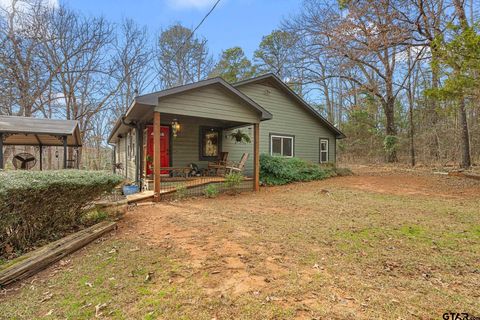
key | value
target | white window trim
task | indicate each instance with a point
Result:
(281, 145)
(324, 151)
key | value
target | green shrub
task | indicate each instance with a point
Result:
(279, 170)
(180, 192)
(233, 181)
(211, 191)
(42, 205)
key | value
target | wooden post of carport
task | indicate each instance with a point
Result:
(1, 151)
(256, 157)
(156, 155)
(65, 152)
(40, 151)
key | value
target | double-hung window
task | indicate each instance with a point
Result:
(323, 150)
(281, 145)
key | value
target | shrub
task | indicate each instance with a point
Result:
(279, 170)
(180, 192)
(233, 181)
(211, 191)
(43, 205)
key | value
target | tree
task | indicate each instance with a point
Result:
(233, 66)
(459, 54)
(27, 71)
(276, 54)
(367, 37)
(181, 57)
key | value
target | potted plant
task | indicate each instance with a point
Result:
(149, 160)
(240, 137)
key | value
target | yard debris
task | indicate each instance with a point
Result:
(317, 266)
(85, 305)
(47, 296)
(49, 313)
(114, 250)
(89, 284)
(98, 308)
(148, 277)
(64, 262)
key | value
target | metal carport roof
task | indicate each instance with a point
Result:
(37, 131)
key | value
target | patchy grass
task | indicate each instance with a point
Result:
(310, 250)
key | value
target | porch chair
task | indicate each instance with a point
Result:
(238, 167)
(218, 165)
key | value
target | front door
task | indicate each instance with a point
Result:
(164, 149)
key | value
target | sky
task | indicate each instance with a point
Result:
(232, 23)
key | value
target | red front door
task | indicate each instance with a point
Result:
(164, 148)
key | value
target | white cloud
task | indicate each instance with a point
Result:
(7, 4)
(188, 4)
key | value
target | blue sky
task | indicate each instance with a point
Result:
(233, 22)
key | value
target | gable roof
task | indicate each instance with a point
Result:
(152, 98)
(147, 101)
(295, 96)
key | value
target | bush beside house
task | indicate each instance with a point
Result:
(41, 206)
(279, 170)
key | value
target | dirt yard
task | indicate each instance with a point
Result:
(382, 244)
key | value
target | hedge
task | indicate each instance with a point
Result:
(41, 206)
(280, 170)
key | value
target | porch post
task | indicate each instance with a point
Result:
(156, 156)
(256, 157)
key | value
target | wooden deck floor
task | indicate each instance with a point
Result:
(171, 186)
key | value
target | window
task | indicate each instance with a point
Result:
(281, 145)
(210, 143)
(323, 150)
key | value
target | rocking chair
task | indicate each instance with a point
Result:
(238, 167)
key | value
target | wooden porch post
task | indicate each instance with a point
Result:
(256, 157)
(156, 156)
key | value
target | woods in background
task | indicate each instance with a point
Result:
(399, 78)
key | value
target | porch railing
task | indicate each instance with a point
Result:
(178, 183)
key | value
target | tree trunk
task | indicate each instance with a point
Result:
(464, 136)
(411, 125)
(389, 109)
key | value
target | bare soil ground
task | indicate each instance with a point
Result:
(382, 244)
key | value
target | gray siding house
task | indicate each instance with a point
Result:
(207, 112)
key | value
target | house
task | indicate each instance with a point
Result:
(165, 131)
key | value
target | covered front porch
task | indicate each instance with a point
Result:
(184, 155)
(184, 144)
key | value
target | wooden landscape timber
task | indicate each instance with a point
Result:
(35, 261)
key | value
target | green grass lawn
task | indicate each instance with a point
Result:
(289, 252)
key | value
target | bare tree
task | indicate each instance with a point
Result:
(181, 57)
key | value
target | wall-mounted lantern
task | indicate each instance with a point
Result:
(176, 127)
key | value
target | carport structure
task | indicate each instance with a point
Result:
(28, 131)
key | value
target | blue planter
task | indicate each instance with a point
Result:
(128, 190)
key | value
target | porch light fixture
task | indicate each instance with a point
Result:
(176, 127)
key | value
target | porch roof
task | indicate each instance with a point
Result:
(143, 106)
(38, 131)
